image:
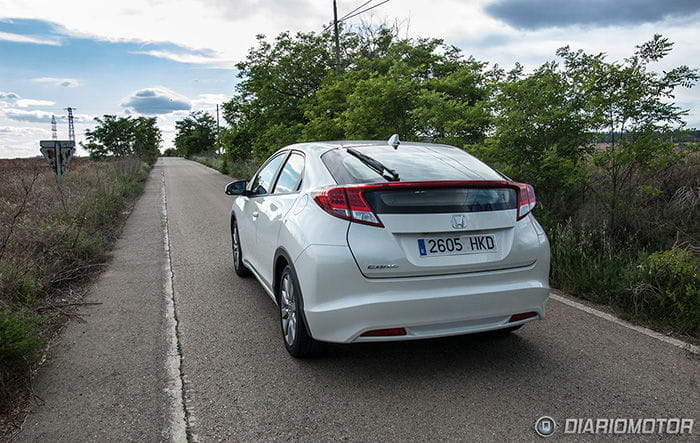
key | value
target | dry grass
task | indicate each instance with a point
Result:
(53, 237)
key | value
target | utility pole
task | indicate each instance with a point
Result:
(337, 38)
(217, 129)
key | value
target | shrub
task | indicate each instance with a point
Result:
(20, 343)
(243, 169)
(20, 287)
(669, 290)
(585, 261)
(82, 249)
(128, 185)
(105, 211)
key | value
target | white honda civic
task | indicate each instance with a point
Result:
(360, 241)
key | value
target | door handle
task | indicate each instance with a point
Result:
(255, 214)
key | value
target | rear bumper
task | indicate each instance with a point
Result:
(340, 304)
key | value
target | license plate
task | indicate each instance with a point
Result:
(456, 245)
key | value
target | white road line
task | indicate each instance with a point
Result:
(177, 426)
(642, 330)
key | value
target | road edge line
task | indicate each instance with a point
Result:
(642, 330)
(177, 427)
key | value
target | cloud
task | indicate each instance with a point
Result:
(190, 58)
(66, 82)
(23, 131)
(156, 100)
(28, 116)
(18, 38)
(8, 95)
(78, 118)
(209, 100)
(536, 14)
(27, 102)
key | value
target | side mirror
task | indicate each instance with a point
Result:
(236, 188)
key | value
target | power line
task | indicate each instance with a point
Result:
(352, 14)
(361, 6)
(347, 16)
(363, 11)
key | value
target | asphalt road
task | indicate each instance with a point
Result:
(110, 378)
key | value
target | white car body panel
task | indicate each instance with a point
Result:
(272, 210)
(341, 304)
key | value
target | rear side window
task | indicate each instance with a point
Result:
(290, 177)
(441, 200)
(411, 162)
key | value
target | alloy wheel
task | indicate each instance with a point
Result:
(288, 310)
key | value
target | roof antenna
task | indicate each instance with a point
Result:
(394, 141)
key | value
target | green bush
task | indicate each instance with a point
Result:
(243, 169)
(585, 262)
(20, 343)
(20, 287)
(105, 212)
(128, 185)
(669, 290)
(83, 249)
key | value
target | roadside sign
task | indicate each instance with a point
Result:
(58, 153)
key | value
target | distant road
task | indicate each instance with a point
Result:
(117, 377)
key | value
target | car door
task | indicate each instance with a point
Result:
(259, 187)
(272, 210)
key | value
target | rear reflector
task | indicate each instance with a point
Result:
(384, 332)
(522, 316)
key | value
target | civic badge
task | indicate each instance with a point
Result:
(459, 221)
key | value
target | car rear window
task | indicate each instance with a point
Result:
(411, 162)
(441, 200)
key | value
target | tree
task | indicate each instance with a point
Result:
(196, 133)
(540, 136)
(633, 106)
(290, 92)
(147, 139)
(124, 136)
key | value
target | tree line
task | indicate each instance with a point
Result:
(602, 141)
(597, 138)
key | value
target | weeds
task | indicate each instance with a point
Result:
(19, 339)
(241, 169)
(52, 236)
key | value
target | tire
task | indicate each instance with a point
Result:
(294, 333)
(238, 265)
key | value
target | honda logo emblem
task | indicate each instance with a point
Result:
(459, 221)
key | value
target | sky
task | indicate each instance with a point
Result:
(168, 58)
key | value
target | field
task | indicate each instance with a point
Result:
(53, 238)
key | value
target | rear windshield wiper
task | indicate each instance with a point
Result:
(375, 165)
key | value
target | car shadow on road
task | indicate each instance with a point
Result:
(508, 352)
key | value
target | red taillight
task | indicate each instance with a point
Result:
(385, 332)
(347, 203)
(523, 316)
(526, 199)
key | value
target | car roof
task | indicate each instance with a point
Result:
(321, 147)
